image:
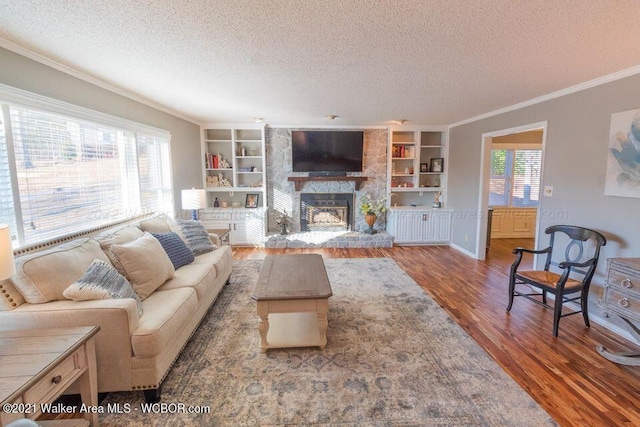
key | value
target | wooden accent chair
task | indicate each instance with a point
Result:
(577, 265)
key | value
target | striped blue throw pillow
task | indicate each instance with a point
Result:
(101, 281)
(178, 252)
(196, 235)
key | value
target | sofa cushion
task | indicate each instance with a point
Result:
(166, 313)
(144, 263)
(43, 276)
(101, 281)
(220, 258)
(155, 225)
(117, 236)
(176, 249)
(196, 276)
(197, 236)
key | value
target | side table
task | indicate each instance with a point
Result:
(38, 365)
(223, 234)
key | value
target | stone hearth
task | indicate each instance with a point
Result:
(330, 239)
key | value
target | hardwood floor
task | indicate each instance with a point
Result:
(565, 375)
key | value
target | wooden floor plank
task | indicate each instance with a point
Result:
(565, 375)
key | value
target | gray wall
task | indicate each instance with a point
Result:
(575, 162)
(24, 73)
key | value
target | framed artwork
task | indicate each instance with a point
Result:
(251, 201)
(623, 159)
(436, 164)
(424, 167)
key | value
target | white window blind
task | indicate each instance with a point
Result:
(7, 211)
(156, 193)
(73, 174)
(515, 177)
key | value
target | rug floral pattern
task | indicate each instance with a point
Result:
(393, 357)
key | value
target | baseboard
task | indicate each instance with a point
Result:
(606, 324)
(463, 250)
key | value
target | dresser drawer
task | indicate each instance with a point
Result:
(619, 278)
(59, 379)
(624, 303)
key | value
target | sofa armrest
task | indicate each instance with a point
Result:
(215, 239)
(117, 318)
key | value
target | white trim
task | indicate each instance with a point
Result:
(21, 50)
(232, 126)
(463, 250)
(12, 95)
(483, 186)
(608, 325)
(515, 146)
(557, 94)
(366, 127)
(599, 320)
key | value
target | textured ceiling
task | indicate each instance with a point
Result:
(297, 61)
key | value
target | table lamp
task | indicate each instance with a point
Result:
(193, 199)
(7, 267)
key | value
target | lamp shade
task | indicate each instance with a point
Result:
(193, 199)
(7, 267)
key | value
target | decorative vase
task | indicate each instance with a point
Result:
(370, 218)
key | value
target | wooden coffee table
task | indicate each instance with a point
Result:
(292, 295)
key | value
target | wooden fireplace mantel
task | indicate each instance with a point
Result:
(299, 181)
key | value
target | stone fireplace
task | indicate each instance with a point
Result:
(326, 211)
(284, 198)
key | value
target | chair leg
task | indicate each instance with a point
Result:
(544, 297)
(585, 309)
(557, 311)
(512, 288)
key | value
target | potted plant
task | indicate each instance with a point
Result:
(371, 208)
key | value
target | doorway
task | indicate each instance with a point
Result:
(512, 163)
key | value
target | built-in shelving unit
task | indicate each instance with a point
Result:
(417, 162)
(234, 164)
(417, 178)
(234, 177)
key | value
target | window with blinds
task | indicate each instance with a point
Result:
(7, 211)
(72, 174)
(515, 178)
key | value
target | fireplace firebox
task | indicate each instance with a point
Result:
(326, 212)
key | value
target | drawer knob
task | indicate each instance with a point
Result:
(623, 303)
(56, 379)
(626, 283)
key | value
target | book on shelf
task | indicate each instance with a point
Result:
(211, 161)
(401, 151)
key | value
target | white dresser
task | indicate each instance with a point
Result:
(622, 297)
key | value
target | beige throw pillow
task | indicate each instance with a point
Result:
(144, 263)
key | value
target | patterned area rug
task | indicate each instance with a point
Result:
(393, 357)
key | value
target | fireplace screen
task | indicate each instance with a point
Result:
(326, 212)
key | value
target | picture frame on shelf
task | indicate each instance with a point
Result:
(251, 200)
(424, 167)
(436, 164)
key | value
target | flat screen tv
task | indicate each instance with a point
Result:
(327, 151)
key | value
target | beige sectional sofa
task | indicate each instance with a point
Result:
(133, 352)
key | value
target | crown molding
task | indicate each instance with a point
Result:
(553, 95)
(42, 59)
(25, 98)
